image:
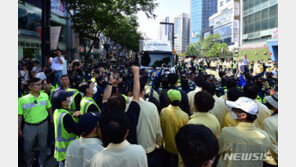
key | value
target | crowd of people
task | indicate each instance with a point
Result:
(111, 113)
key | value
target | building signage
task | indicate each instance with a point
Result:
(57, 7)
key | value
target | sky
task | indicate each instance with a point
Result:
(171, 8)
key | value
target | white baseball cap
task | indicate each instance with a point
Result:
(245, 104)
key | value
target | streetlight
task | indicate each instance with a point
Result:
(173, 32)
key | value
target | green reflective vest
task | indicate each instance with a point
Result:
(73, 105)
(62, 138)
(51, 92)
(85, 103)
(93, 80)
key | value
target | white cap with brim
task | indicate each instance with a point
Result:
(245, 104)
(273, 100)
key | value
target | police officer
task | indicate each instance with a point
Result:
(87, 103)
(201, 68)
(34, 108)
(75, 106)
(66, 128)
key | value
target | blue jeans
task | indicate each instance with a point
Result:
(57, 77)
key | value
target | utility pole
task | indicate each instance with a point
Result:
(45, 34)
(173, 32)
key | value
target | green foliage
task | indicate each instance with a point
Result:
(192, 50)
(94, 17)
(208, 47)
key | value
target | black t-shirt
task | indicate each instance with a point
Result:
(132, 114)
(70, 125)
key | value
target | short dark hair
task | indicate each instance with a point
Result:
(231, 83)
(209, 87)
(114, 127)
(199, 80)
(234, 93)
(221, 74)
(250, 117)
(65, 75)
(196, 144)
(143, 81)
(47, 81)
(33, 80)
(203, 101)
(83, 86)
(173, 79)
(251, 90)
(116, 103)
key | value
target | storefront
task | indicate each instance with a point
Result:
(29, 20)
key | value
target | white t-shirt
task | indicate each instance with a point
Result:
(64, 65)
(36, 69)
(81, 151)
(245, 61)
(55, 63)
(25, 75)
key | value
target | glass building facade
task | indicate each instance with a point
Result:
(260, 19)
(29, 21)
(200, 11)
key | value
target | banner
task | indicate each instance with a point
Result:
(235, 31)
(54, 36)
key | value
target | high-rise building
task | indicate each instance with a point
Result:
(226, 22)
(200, 11)
(259, 22)
(165, 30)
(181, 28)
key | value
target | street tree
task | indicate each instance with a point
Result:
(193, 50)
(91, 17)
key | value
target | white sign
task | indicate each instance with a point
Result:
(235, 31)
(155, 45)
(54, 36)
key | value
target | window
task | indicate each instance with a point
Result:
(264, 24)
(251, 28)
(252, 18)
(257, 26)
(258, 16)
(273, 11)
(273, 22)
(264, 14)
(251, 4)
(246, 29)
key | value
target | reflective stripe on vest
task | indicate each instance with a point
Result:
(86, 106)
(59, 136)
(62, 138)
(73, 105)
(85, 103)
